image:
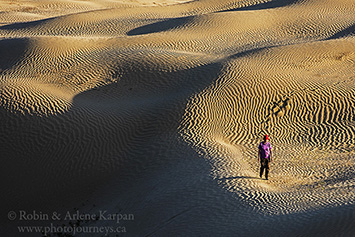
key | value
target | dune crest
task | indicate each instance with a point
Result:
(156, 108)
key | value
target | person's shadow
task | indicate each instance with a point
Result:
(237, 177)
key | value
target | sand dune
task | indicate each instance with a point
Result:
(156, 108)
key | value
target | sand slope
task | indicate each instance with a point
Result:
(157, 108)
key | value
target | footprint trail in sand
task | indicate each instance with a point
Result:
(157, 108)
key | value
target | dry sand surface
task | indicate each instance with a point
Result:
(156, 109)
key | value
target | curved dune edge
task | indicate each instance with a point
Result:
(157, 109)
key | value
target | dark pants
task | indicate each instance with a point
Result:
(265, 164)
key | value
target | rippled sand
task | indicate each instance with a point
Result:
(156, 108)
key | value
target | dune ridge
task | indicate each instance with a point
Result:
(156, 108)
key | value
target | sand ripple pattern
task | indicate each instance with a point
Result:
(157, 108)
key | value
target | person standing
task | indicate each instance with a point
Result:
(265, 156)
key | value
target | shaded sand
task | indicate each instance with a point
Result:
(156, 108)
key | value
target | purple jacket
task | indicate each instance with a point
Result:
(265, 150)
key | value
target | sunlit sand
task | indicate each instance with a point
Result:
(156, 109)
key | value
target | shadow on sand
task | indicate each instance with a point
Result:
(237, 177)
(265, 5)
